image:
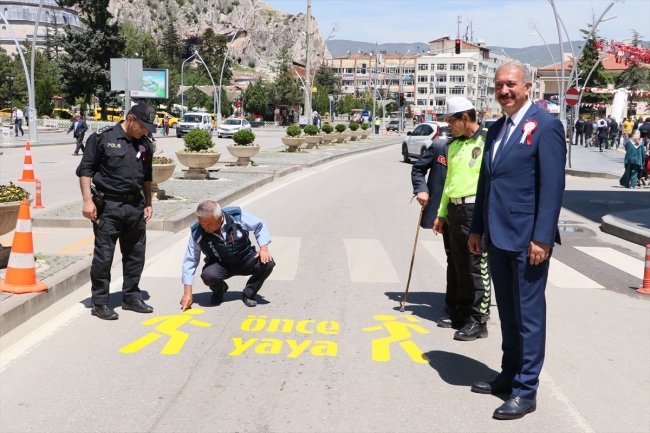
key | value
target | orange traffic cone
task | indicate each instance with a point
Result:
(21, 270)
(28, 168)
(646, 274)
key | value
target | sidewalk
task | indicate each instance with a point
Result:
(591, 162)
(64, 261)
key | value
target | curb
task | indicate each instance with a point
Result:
(613, 225)
(594, 174)
(17, 309)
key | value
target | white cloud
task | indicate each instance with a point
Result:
(496, 22)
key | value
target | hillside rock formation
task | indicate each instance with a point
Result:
(262, 35)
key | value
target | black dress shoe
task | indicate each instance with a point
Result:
(217, 297)
(455, 322)
(515, 407)
(497, 386)
(248, 302)
(104, 312)
(138, 306)
(471, 331)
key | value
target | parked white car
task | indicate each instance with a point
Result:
(418, 141)
(191, 121)
(230, 126)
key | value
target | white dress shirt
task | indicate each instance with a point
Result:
(516, 119)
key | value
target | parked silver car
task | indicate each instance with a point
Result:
(230, 126)
(418, 141)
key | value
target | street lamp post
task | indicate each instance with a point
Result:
(10, 82)
(182, 86)
(214, 99)
(399, 71)
(33, 132)
(225, 57)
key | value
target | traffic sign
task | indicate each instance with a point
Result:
(572, 96)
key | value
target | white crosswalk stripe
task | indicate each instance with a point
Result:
(565, 277)
(286, 254)
(368, 262)
(437, 250)
(615, 258)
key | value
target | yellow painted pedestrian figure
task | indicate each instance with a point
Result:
(399, 332)
(169, 326)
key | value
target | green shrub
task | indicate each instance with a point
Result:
(327, 128)
(340, 128)
(354, 126)
(197, 140)
(11, 192)
(243, 137)
(294, 131)
(311, 130)
(365, 126)
(162, 160)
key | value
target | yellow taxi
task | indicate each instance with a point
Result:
(5, 112)
(172, 120)
(112, 114)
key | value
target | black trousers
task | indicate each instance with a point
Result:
(474, 286)
(376, 129)
(214, 274)
(452, 281)
(80, 143)
(19, 125)
(580, 136)
(123, 221)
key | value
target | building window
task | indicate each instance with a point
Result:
(348, 71)
(422, 91)
(431, 102)
(409, 70)
(457, 90)
(457, 78)
(458, 66)
(441, 90)
(348, 83)
(408, 94)
(423, 67)
(440, 102)
(4, 30)
(422, 102)
(423, 79)
(441, 78)
(442, 67)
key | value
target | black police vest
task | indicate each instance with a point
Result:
(231, 251)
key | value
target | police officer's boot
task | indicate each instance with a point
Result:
(471, 331)
(104, 312)
(138, 306)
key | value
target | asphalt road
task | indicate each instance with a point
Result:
(342, 237)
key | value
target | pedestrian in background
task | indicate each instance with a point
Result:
(634, 160)
(429, 193)
(517, 209)
(166, 125)
(78, 127)
(580, 131)
(602, 133)
(377, 125)
(457, 205)
(589, 132)
(18, 116)
(628, 125)
(644, 129)
(613, 133)
(117, 161)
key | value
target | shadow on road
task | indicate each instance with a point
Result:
(203, 299)
(114, 300)
(596, 204)
(426, 305)
(459, 370)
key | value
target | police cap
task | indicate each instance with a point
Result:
(145, 113)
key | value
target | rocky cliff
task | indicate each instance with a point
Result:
(262, 35)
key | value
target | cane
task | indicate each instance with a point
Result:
(415, 245)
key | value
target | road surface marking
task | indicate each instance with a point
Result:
(580, 420)
(77, 246)
(437, 250)
(169, 326)
(368, 262)
(399, 332)
(285, 252)
(565, 277)
(614, 258)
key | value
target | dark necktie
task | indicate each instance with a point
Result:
(504, 140)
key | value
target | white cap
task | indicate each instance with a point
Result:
(457, 105)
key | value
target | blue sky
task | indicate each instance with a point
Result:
(502, 23)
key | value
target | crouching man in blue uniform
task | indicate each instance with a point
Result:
(222, 236)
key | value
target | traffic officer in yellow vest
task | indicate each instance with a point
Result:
(457, 205)
(377, 124)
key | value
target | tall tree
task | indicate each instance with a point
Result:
(328, 79)
(256, 98)
(44, 92)
(171, 47)
(141, 44)
(85, 66)
(287, 91)
(213, 50)
(320, 100)
(52, 37)
(589, 58)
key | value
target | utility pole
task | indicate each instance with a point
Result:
(374, 87)
(307, 65)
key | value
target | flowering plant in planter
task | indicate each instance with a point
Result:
(11, 192)
(162, 160)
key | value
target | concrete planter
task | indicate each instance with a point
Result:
(355, 135)
(342, 137)
(328, 138)
(197, 163)
(160, 174)
(312, 140)
(8, 220)
(243, 153)
(365, 134)
(293, 143)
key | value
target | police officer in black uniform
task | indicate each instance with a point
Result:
(117, 160)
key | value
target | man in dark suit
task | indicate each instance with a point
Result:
(78, 127)
(428, 194)
(517, 209)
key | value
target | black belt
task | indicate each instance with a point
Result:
(122, 198)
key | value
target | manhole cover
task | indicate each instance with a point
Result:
(607, 201)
